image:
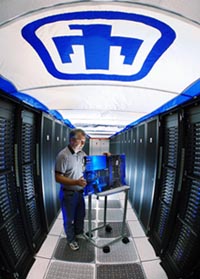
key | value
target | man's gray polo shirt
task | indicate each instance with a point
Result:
(70, 164)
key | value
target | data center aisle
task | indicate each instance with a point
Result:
(134, 260)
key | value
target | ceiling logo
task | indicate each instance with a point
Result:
(98, 45)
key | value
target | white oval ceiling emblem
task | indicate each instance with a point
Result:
(99, 45)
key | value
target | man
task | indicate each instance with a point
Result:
(69, 173)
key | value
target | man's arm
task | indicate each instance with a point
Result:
(60, 178)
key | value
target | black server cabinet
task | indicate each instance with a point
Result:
(139, 180)
(183, 253)
(57, 146)
(167, 184)
(16, 255)
(150, 172)
(121, 143)
(65, 136)
(124, 139)
(118, 147)
(28, 154)
(128, 156)
(127, 153)
(112, 143)
(47, 170)
(133, 163)
(115, 145)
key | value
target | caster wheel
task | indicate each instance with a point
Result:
(106, 249)
(108, 228)
(87, 233)
(125, 240)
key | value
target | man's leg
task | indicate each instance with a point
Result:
(68, 204)
(79, 215)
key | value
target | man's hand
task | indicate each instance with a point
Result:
(107, 153)
(69, 181)
(82, 182)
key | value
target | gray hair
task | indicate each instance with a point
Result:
(73, 133)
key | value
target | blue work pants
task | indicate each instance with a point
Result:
(73, 210)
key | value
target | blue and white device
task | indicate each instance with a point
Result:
(103, 172)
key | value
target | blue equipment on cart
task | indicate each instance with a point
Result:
(103, 172)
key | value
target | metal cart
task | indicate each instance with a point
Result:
(108, 228)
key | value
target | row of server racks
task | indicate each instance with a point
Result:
(163, 170)
(29, 142)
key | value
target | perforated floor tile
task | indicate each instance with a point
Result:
(120, 271)
(93, 214)
(119, 252)
(111, 214)
(110, 204)
(61, 270)
(85, 228)
(94, 202)
(85, 254)
(116, 230)
(86, 223)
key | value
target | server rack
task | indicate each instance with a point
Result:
(120, 144)
(139, 180)
(182, 256)
(57, 146)
(128, 158)
(65, 136)
(27, 149)
(133, 162)
(16, 254)
(151, 142)
(115, 145)
(112, 144)
(167, 192)
(48, 170)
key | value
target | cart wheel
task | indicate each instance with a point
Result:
(125, 240)
(106, 249)
(87, 233)
(108, 228)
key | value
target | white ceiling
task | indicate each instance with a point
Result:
(101, 100)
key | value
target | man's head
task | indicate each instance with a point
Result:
(77, 138)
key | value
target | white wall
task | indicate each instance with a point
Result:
(98, 146)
